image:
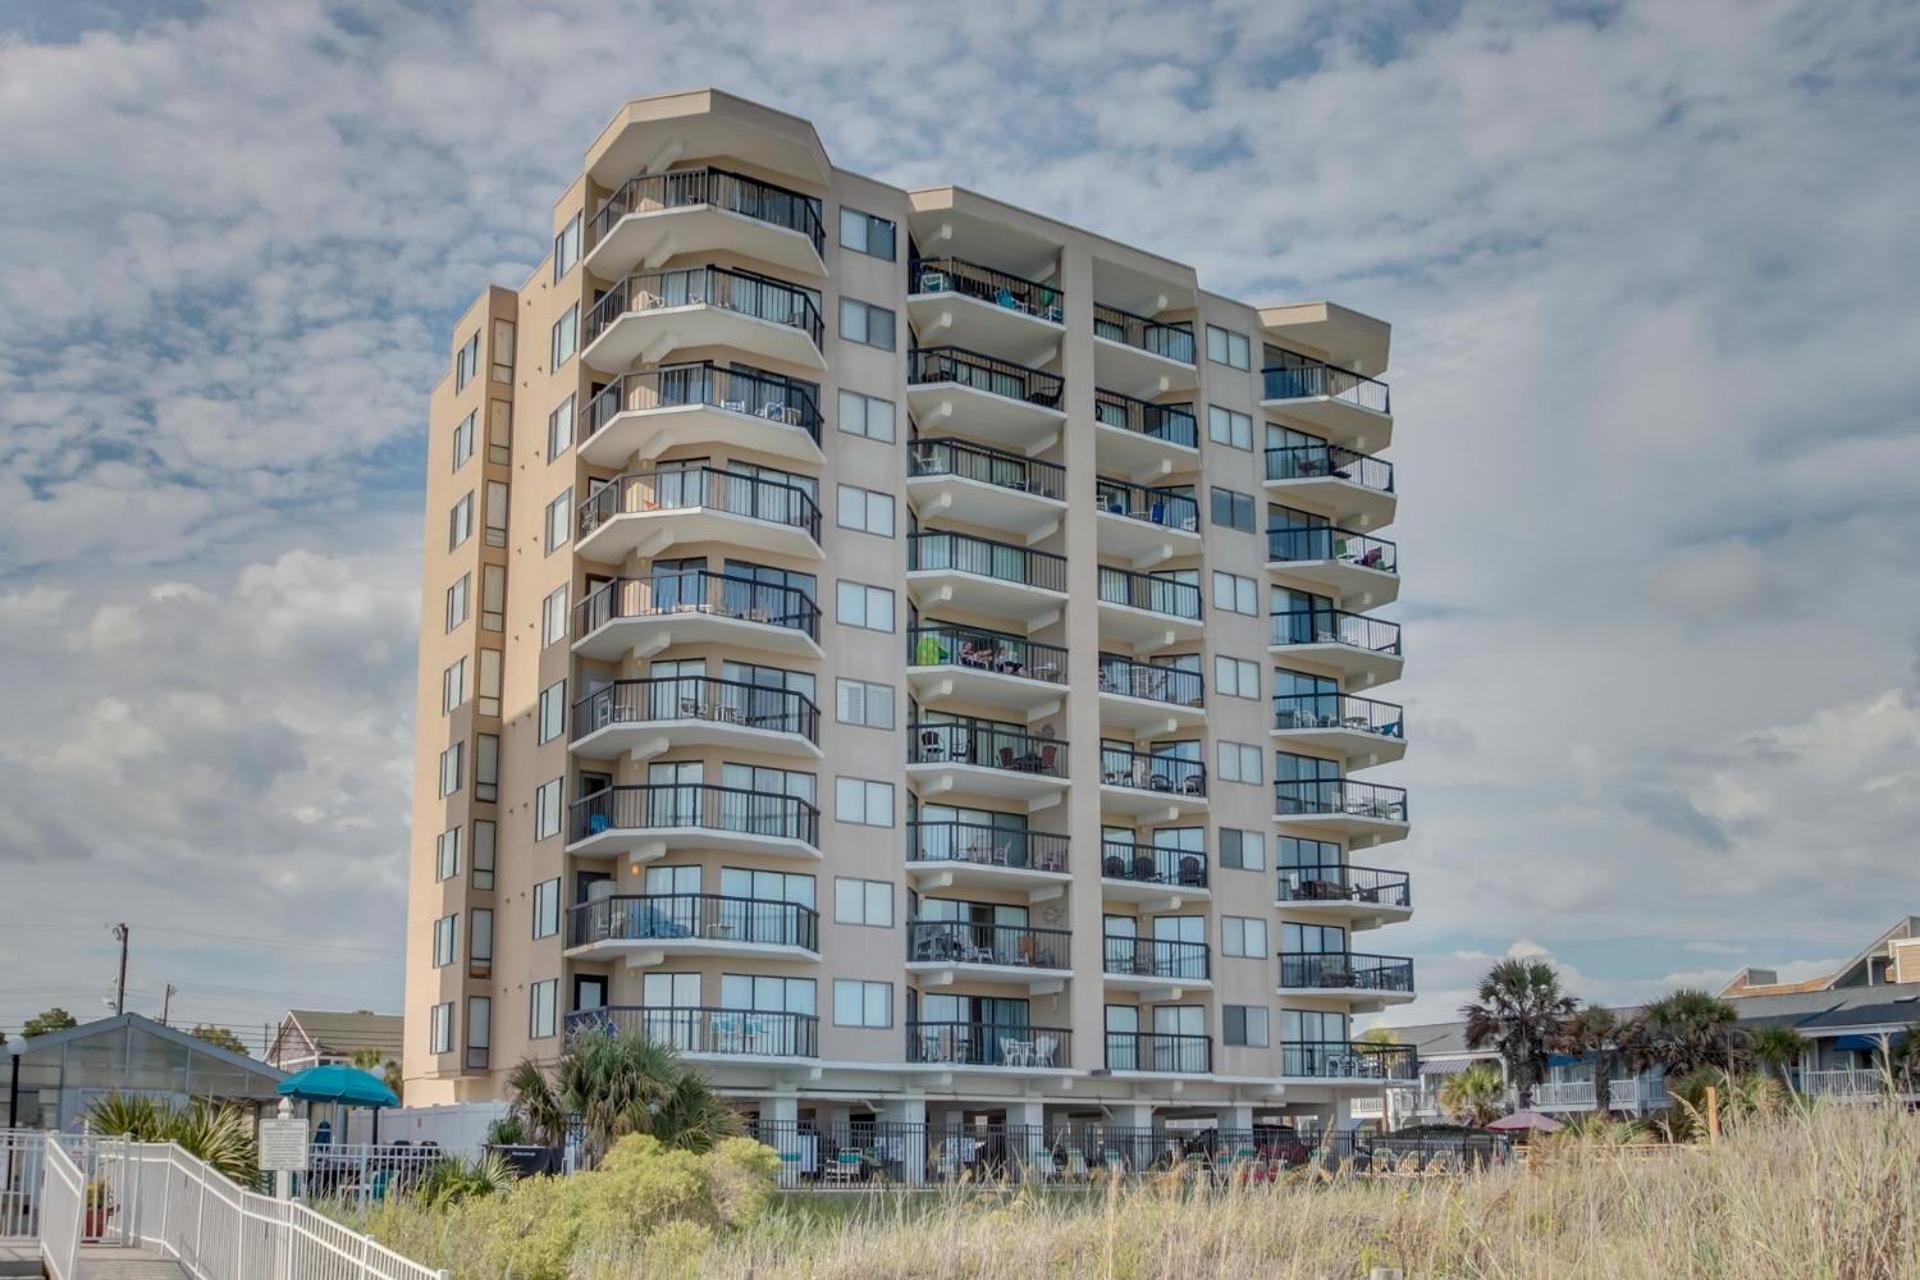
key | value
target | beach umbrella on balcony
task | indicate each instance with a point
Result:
(342, 1085)
(1525, 1122)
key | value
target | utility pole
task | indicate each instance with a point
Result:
(122, 932)
(166, 1003)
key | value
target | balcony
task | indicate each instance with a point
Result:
(1339, 893)
(641, 415)
(1351, 567)
(985, 758)
(1160, 966)
(991, 668)
(1348, 646)
(945, 950)
(970, 854)
(710, 1033)
(1841, 1082)
(1142, 784)
(1147, 697)
(645, 512)
(1159, 1053)
(982, 309)
(985, 576)
(1638, 1094)
(1343, 1062)
(656, 216)
(647, 317)
(646, 717)
(1142, 354)
(1364, 732)
(1363, 983)
(658, 612)
(1347, 487)
(1006, 492)
(645, 929)
(1131, 872)
(1348, 408)
(1145, 526)
(1141, 440)
(1365, 811)
(645, 822)
(988, 1044)
(1146, 611)
(990, 399)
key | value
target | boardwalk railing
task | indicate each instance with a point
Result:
(63, 1207)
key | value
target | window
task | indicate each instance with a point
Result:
(1233, 510)
(862, 802)
(862, 1004)
(858, 605)
(502, 363)
(446, 860)
(1224, 346)
(500, 432)
(479, 1030)
(542, 1015)
(865, 323)
(1224, 426)
(1245, 1025)
(1236, 677)
(466, 362)
(546, 908)
(441, 1031)
(488, 701)
(566, 249)
(480, 943)
(483, 837)
(453, 686)
(560, 429)
(553, 617)
(1243, 850)
(559, 520)
(865, 510)
(863, 702)
(867, 902)
(446, 937)
(1243, 936)
(566, 334)
(866, 416)
(864, 233)
(1235, 593)
(1239, 762)
(496, 513)
(486, 767)
(553, 711)
(546, 810)
(493, 597)
(463, 440)
(452, 768)
(457, 603)
(460, 522)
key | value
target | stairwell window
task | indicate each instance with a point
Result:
(446, 937)
(463, 439)
(1239, 762)
(480, 942)
(484, 834)
(862, 1004)
(864, 233)
(440, 1029)
(865, 323)
(446, 854)
(452, 769)
(1224, 426)
(553, 711)
(566, 249)
(487, 697)
(460, 522)
(1236, 677)
(553, 617)
(867, 416)
(1243, 936)
(546, 810)
(866, 510)
(560, 429)
(502, 356)
(858, 605)
(1235, 593)
(566, 336)
(1242, 850)
(542, 1016)
(546, 908)
(486, 767)
(496, 514)
(1244, 1025)
(466, 362)
(863, 802)
(479, 1031)
(493, 597)
(457, 603)
(1224, 346)
(559, 520)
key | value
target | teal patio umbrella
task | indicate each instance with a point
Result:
(343, 1086)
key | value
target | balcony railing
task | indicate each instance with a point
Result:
(1312, 380)
(696, 805)
(941, 644)
(1328, 542)
(665, 698)
(745, 1032)
(1003, 470)
(956, 275)
(987, 557)
(1341, 795)
(980, 845)
(1851, 1082)
(787, 401)
(700, 917)
(1154, 958)
(1340, 1060)
(737, 291)
(1338, 711)
(1174, 423)
(989, 1044)
(749, 197)
(1339, 882)
(723, 595)
(1147, 864)
(1336, 626)
(988, 744)
(1345, 971)
(983, 373)
(732, 493)
(1163, 507)
(1017, 946)
(1152, 681)
(1314, 461)
(1146, 771)
(1146, 591)
(1174, 341)
(1163, 1051)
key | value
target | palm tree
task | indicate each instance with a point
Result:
(1777, 1048)
(1901, 1056)
(1597, 1033)
(1689, 1030)
(614, 1084)
(1520, 1007)
(1475, 1096)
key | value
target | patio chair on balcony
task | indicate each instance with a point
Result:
(1044, 1048)
(1113, 867)
(1192, 872)
(1143, 867)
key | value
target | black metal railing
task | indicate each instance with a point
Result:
(1174, 423)
(1163, 507)
(987, 743)
(970, 279)
(989, 1044)
(987, 557)
(695, 805)
(1149, 864)
(1018, 946)
(1318, 461)
(662, 698)
(1339, 711)
(1341, 796)
(733, 1032)
(1147, 771)
(741, 292)
(1336, 626)
(1345, 971)
(983, 373)
(724, 595)
(1312, 380)
(1344, 1060)
(1151, 680)
(1150, 592)
(943, 456)
(1174, 341)
(700, 917)
(1154, 957)
(1329, 542)
(790, 402)
(735, 193)
(700, 488)
(1340, 882)
(981, 845)
(942, 644)
(1159, 1051)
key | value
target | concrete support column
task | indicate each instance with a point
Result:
(903, 1142)
(799, 1153)
(1027, 1138)
(1236, 1126)
(1135, 1119)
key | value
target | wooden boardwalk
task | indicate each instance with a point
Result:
(110, 1262)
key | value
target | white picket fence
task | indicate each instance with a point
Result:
(63, 1204)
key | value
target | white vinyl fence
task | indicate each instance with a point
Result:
(63, 1202)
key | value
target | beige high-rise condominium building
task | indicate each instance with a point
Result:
(911, 654)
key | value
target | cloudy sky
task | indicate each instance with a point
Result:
(1651, 269)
